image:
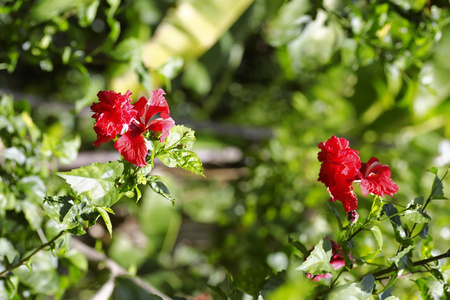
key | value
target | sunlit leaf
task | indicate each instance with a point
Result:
(397, 258)
(106, 219)
(7, 250)
(318, 262)
(43, 278)
(86, 15)
(96, 182)
(350, 291)
(424, 289)
(415, 213)
(378, 236)
(14, 154)
(426, 247)
(70, 213)
(185, 159)
(377, 208)
(158, 186)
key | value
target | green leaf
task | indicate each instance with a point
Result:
(67, 150)
(180, 137)
(128, 49)
(388, 286)
(32, 186)
(32, 213)
(274, 283)
(318, 262)
(77, 259)
(378, 236)
(86, 15)
(367, 283)
(354, 291)
(437, 274)
(426, 247)
(299, 246)
(106, 219)
(400, 233)
(437, 189)
(11, 284)
(14, 154)
(417, 216)
(7, 251)
(377, 208)
(44, 278)
(414, 211)
(157, 185)
(96, 182)
(68, 213)
(172, 67)
(424, 232)
(398, 258)
(218, 293)
(346, 252)
(390, 210)
(45, 10)
(185, 159)
(424, 290)
(253, 279)
(175, 151)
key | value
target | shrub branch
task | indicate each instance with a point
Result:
(24, 260)
(422, 262)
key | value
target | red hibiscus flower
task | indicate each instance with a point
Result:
(112, 114)
(376, 179)
(337, 261)
(152, 115)
(340, 167)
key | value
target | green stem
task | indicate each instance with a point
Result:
(429, 200)
(24, 260)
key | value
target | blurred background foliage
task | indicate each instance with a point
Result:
(262, 82)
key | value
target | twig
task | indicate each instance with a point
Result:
(24, 260)
(115, 270)
(422, 262)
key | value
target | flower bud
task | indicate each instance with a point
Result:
(352, 216)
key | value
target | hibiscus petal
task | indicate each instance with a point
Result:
(147, 109)
(112, 114)
(344, 193)
(376, 179)
(340, 167)
(132, 147)
(163, 126)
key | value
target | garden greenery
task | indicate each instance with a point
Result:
(295, 85)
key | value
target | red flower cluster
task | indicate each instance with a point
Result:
(337, 261)
(341, 167)
(115, 115)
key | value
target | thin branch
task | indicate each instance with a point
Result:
(24, 260)
(115, 270)
(422, 262)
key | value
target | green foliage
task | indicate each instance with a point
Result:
(175, 151)
(25, 265)
(95, 184)
(318, 262)
(286, 76)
